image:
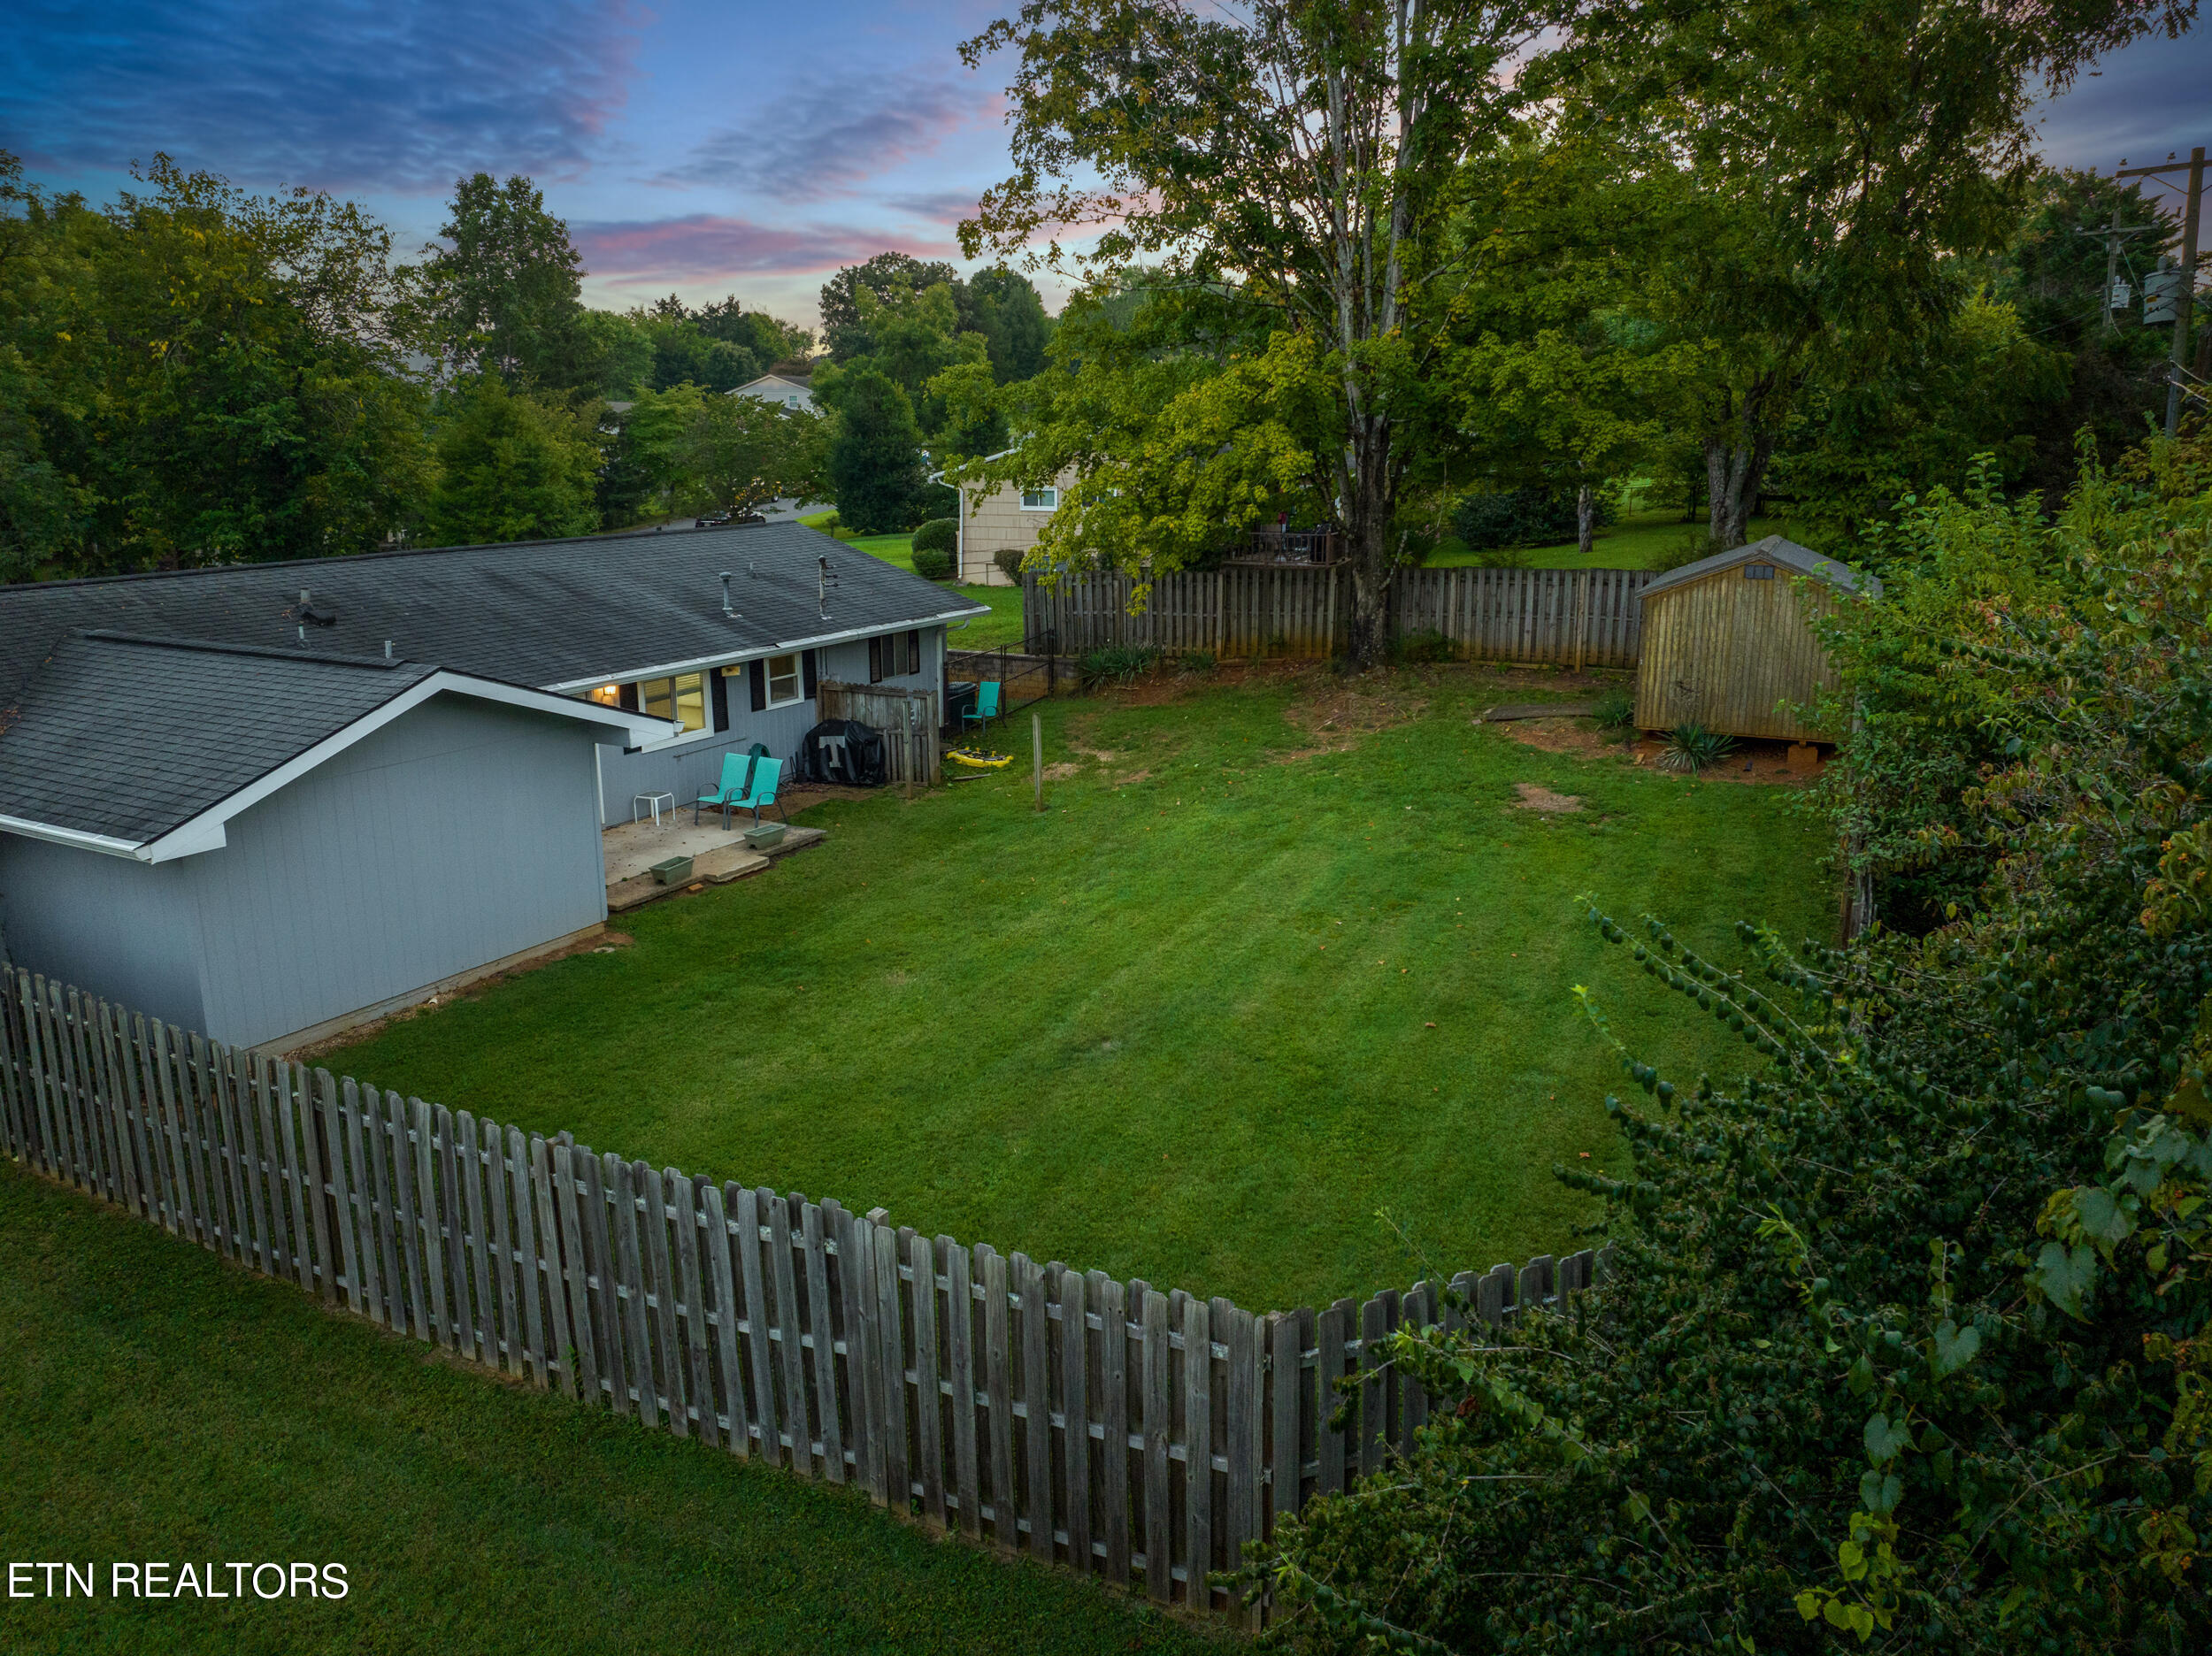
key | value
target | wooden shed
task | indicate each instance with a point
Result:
(1726, 642)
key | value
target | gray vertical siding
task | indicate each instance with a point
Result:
(690, 768)
(126, 932)
(457, 835)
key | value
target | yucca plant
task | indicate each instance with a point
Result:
(1691, 747)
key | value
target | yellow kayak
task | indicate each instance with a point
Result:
(979, 760)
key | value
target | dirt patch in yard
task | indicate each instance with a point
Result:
(1061, 771)
(1537, 798)
(1761, 763)
(1335, 713)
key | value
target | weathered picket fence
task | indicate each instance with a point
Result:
(1572, 618)
(1141, 1435)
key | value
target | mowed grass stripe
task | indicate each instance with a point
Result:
(156, 1403)
(1110, 1034)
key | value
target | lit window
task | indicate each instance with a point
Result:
(1041, 500)
(783, 681)
(608, 696)
(681, 700)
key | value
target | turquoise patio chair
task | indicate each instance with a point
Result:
(986, 708)
(736, 777)
(766, 772)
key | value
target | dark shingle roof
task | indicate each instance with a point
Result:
(130, 737)
(1773, 549)
(545, 612)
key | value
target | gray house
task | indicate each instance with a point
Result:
(269, 801)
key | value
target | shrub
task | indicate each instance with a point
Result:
(1691, 747)
(1423, 647)
(1009, 560)
(931, 562)
(1906, 1324)
(1614, 709)
(1197, 661)
(1119, 665)
(1526, 516)
(939, 534)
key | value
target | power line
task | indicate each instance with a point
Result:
(2180, 381)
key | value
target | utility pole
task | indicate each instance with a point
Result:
(2184, 311)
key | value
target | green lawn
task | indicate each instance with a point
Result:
(1639, 539)
(1201, 1021)
(1002, 625)
(158, 1404)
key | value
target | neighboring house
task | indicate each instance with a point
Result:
(1006, 518)
(790, 392)
(267, 800)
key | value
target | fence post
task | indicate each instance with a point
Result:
(1037, 737)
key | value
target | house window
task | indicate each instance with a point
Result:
(791, 401)
(1758, 571)
(681, 700)
(878, 659)
(1041, 500)
(608, 696)
(783, 680)
(914, 651)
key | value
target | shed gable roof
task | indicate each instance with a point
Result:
(1773, 549)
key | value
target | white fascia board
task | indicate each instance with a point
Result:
(107, 845)
(664, 669)
(206, 831)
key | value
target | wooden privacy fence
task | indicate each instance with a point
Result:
(907, 719)
(1573, 617)
(1117, 1429)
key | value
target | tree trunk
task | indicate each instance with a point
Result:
(1586, 519)
(1734, 473)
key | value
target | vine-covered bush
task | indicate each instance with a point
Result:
(1905, 1346)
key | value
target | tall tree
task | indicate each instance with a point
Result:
(844, 329)
(1304, 152)
(875, 460)
(513, 466)
(743, 452)
(503, 287)
(195, 374)
(1010, 316)
(1836, 160)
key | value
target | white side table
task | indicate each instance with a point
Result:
(654, 800)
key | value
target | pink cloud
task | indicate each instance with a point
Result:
(709, 246)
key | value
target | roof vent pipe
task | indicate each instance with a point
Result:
(727, 608)
(388, 650)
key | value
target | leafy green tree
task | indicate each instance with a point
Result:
(1010, 316)
(770, 341)
(845, 330)
(622, 347)
(648, 469)
(503, 288)
(1834, 163)
(513, 466)
(1307, 154)
(1959, 402)
(197, 375)
(743, 452)
(875, 463)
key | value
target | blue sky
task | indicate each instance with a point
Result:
(694, 147)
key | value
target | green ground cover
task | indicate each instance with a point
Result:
(158, 1404)
(1002, 625)
(1639, 539)
(1294, 955)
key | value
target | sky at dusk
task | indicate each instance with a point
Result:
(697, 148)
